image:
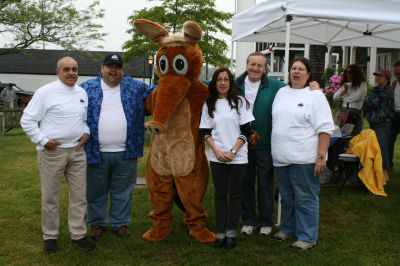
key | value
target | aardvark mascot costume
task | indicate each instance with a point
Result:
(177, 165)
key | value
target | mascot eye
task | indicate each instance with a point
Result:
(180, 64)
(163, 64)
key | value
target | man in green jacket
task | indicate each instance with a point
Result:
(260, 91)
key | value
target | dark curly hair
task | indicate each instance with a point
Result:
(357, 75)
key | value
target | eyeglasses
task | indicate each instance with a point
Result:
(223, 80)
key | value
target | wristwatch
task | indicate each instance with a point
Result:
(233, 151)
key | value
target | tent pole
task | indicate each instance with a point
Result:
(232, 67)
(372, 66)
(286, 79)
(287, 45)
(279, 214)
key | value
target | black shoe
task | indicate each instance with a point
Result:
(230, 242)
(50, 245)
(84, 244)
(220, 243)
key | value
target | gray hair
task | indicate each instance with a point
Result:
(61, 60)
(259, 54)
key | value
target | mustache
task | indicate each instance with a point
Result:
(71, 76)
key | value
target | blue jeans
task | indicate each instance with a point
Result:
(260, 166)
(382, 131)
(115, 176)
(299, 190)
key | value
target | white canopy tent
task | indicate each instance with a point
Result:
(362, 23)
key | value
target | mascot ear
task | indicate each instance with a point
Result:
(192, 31)
(151, 30)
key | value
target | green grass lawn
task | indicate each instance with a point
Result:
(356, 228)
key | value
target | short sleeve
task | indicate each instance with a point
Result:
(206, 120)
(246, 115)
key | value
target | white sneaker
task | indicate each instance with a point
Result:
(247, 229)
(280, 236)
(265, 230)
(301, 245)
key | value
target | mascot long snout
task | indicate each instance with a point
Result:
(167, 100)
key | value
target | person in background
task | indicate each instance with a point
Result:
(301, 127)
(116, 122)
(379, 107)
(395, 126)
(351, 95)
(225, 124)
(260, 91)
(9, 95)
(55, 119)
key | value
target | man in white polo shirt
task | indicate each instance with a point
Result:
(55, 119)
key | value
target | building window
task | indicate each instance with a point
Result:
(261, 46)
(334, 63)
(383, 61)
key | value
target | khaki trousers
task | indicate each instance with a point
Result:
(53, 166)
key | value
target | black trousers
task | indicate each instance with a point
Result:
(260, 169)
(228, 179)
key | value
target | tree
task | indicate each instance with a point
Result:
(171, 14)
(29, 22)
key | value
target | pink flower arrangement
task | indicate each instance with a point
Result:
(334, 84)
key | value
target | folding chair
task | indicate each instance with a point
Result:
(348, 168)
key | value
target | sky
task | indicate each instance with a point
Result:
(117, 12)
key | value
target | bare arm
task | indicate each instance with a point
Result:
(236, 146)
(323, 145)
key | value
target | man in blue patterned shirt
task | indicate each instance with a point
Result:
(116, 123)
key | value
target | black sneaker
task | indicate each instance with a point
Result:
(84, 244)
(50, 246)
(220, 243)
(230, 242)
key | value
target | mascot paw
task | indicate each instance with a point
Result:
(157, 234)
(203, 235)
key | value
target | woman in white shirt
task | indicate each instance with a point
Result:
(225, 124)
(351, 94)
(301, 127)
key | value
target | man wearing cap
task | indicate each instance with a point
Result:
(379, 107)
(395, 127)
(116, 122)
(55, 119)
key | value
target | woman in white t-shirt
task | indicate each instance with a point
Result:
(301, 127)
(225, 124)
(351, 95)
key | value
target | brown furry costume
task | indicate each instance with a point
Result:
(176, 162)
